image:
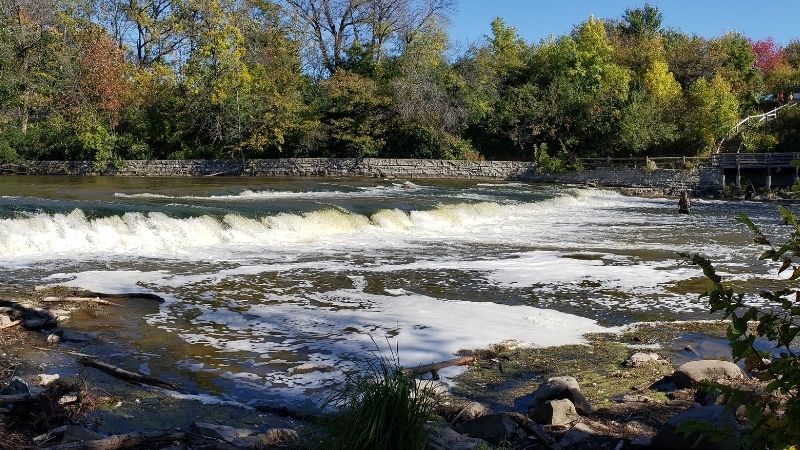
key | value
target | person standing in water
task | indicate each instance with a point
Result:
(684, 204)
(749, 192)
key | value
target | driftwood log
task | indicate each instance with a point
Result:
(126, 375)
(92, 300)
(123, 441)
(419, 370)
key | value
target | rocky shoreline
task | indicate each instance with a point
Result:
(617, 391)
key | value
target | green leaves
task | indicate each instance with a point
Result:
(774, 423)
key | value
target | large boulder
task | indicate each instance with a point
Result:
(494, 428)
(718, 418)
(692, 373)
(555, 412)
(559, 388)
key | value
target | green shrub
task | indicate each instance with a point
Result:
(775, 417)
(379, 408)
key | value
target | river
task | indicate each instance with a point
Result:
(268, 281)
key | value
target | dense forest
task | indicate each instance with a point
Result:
(169, 79)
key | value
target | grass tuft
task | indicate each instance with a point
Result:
(378, 407)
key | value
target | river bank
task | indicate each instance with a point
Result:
(632, 174)
(625, 375)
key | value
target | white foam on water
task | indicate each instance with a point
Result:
(53, 236)
(327, 327)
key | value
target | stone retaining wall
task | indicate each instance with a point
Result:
(704, 178)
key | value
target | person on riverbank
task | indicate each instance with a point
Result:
(684, 204)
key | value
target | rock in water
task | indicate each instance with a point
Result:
(560, 388)
(494, 428)
(555, 412)
(53, 339)
(718, 418)
(692, 373)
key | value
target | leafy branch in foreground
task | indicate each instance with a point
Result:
(774, 416)
(379, 407)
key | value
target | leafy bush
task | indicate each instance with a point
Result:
(379, 408)
(775, 417)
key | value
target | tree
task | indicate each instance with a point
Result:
(768, 55)
(644, 21)
(333, 26)
(712, 111)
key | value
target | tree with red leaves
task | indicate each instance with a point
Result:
(769, 55)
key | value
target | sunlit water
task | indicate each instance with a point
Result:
(262, 276)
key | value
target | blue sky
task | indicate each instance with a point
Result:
(536, 19)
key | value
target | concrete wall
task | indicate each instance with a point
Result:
(703, 178)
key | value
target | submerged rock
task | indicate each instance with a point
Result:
(555, 412)
(692, 373)
(558, 388)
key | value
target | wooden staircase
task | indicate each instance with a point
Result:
(732, 142)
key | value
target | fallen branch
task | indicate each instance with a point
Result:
(132, 377)
(419, 370)
(123, 441)
(95, 300)
(10, 325)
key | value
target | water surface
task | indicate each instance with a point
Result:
(263, 277)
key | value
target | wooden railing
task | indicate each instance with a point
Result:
(754, 160)
(754, 119)
(661, 162)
